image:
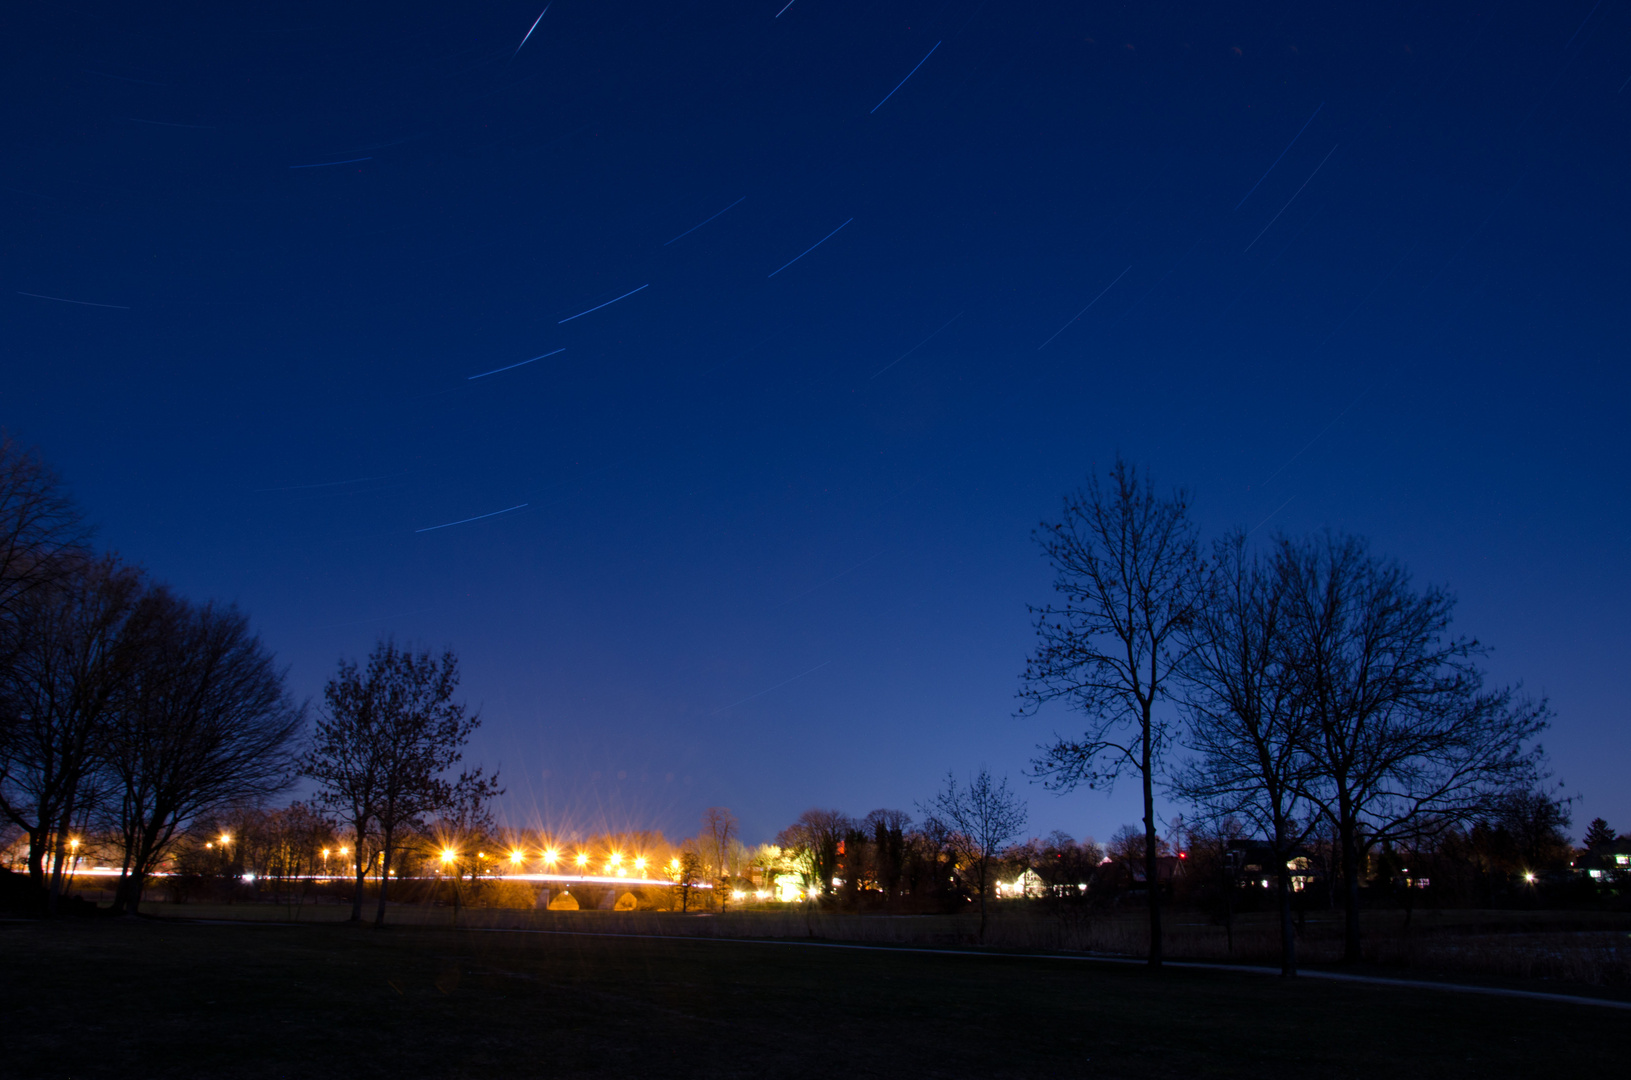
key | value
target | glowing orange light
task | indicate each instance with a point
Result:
(583, 858)
(226, 838)
(550, 856)
(640, 863)
(515, 856)
(448, 855)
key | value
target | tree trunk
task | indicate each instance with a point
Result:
(985, 865)
(362, 879)
(1350, 894)
(1151, 863)
(53, 898)
(384, 880)
(36, 854)
(1288, 932)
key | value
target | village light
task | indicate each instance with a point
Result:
(515, 857)
(583, 858)
(448, 855)
(640, 864)
(344, 852)
(1529, 876)
(226, 838)
(550, 856)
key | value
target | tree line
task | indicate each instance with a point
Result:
(130, 712)
(124, 706)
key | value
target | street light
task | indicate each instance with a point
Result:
(550, 856)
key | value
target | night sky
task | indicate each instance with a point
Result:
(1358, 266)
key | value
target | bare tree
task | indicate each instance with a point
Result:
(816, 836)
(41, 531)
(71, 662)
(1405, 739)
(381, 752)
(1248, 724)
(1127, 573)
(984, 816)
(719, 831)
(207, 723)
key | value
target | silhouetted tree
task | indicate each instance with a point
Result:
(815, 836)
(388, 736)
(719, 832)
(1405, 737)
(42, 535)
(1248, 724)
(1598, 834)
(687, 876)
(888, 849)
(1127, 574)
(984, 816)
(73, 661)
(206, 724)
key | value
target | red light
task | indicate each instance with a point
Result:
(1183, 854)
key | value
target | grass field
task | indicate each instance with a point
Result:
(1559, 949)
(162, 998)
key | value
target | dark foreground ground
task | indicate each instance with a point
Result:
(176, 999)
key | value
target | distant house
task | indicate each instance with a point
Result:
(1251, 864)
(1606, 862)
(1130, 876)
(1027, 884)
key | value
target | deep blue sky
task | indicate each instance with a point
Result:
(759, 566)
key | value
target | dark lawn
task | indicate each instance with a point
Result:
(174, 999)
